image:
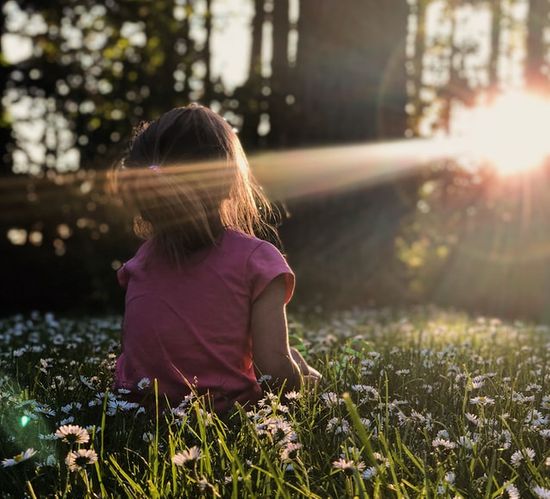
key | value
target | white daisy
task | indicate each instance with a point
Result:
(331, 399)
(76, 460)
(450, 477)
(73, 434)
(19, 458)
(541, 492)
(348, 466)
(190, 455)
(482, 401)
(442, 442)
(290, 451)
(369, 473)
(293, 395)
(513, 492)
(519, 456)
(143, 383)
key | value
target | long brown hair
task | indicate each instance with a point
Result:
(187, 177)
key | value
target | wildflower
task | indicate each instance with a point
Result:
(522, 399)
(472, 418)
(293, 395)
(450, 477)
(148, 437)
(143, 383)
(338, 425)
(518, 456)
(483, 401)
(190, 455)
(67, 408)
(73, 434)
(442, 442)
(541, 492)
(331, 399)
(370, 391)
(87, 382)
(368, 473)
(465, 442)
(279, 429)
(19, 458)
(290, 451)
(443, 434)
(348, 466)
(365, 422)
(44, 409)
(76, 460)
(478, 382)
(513, 492)
(535, 418)
(381, 459)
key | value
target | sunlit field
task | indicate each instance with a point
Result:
(412, 404)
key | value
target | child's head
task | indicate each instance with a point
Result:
(185, 178)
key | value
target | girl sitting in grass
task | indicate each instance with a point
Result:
(205, 297)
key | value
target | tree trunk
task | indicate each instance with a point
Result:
(278, 108)
(350, 86)
(417, 66)
(537, 20)
(496, 11)
(5, 127)
(352, 53)
(207, 54)
(250, 94)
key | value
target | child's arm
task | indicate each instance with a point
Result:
(305, 368)
(270, 348)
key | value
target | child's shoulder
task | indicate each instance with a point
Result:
(245, 242)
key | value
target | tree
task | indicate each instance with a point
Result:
(6, 141)
(280, 71)
(537, 21)
(496, 31)
(350, 80)
(350, 85)
(250, 94)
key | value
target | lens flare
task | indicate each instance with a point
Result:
(511, 133)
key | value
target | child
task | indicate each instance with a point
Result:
(205, 298)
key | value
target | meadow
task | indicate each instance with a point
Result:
(421, 403)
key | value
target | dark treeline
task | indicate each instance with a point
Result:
(339, 72)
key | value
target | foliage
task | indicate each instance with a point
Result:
(412, 404)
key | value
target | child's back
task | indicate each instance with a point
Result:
(205, 298)
(192, 326)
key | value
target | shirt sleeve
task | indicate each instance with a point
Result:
(266, 263)
(122, 276)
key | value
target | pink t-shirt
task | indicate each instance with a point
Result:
(192, 326)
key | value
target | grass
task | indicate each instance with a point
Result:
(416, 404)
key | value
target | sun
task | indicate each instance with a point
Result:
(512, 133)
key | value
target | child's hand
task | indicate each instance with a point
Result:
(314, 373)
